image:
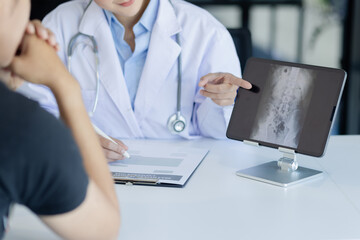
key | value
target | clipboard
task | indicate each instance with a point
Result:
(156, 165)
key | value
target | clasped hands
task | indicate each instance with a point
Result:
(34, 27)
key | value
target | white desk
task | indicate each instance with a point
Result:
(217, 204)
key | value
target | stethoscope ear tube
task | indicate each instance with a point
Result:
(73, 44)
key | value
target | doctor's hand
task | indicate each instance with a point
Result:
(113, 152)
(222, 87)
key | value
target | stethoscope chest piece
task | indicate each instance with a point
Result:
(176, 123)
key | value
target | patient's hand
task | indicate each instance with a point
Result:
(37, 62)
(36, 27)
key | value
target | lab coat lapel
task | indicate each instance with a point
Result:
(111, 74)
(162, 55)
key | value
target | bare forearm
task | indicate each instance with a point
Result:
(68, 95)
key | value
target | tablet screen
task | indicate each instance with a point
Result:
(290, 106)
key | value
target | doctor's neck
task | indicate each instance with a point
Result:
(129, 20)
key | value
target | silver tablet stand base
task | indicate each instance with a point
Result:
(284, 173)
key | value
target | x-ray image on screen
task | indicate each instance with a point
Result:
(283, 105)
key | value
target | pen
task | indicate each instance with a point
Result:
(101, 133)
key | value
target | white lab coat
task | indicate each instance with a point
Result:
(206, 47)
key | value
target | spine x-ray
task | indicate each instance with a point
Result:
(283, 105)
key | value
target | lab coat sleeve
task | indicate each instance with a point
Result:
(211, 119)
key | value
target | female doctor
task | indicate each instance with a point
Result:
(151, 70)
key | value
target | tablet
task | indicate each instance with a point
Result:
(290, 105)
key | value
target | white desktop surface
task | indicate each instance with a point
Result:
(217, 204)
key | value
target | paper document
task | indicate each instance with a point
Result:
(158, 165)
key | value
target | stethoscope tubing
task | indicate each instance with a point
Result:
(73, 44)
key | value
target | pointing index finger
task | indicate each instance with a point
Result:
(226, 78)
(237, 81)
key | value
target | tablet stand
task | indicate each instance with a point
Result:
(284, 172)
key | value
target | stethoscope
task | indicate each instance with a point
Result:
(176, 122)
